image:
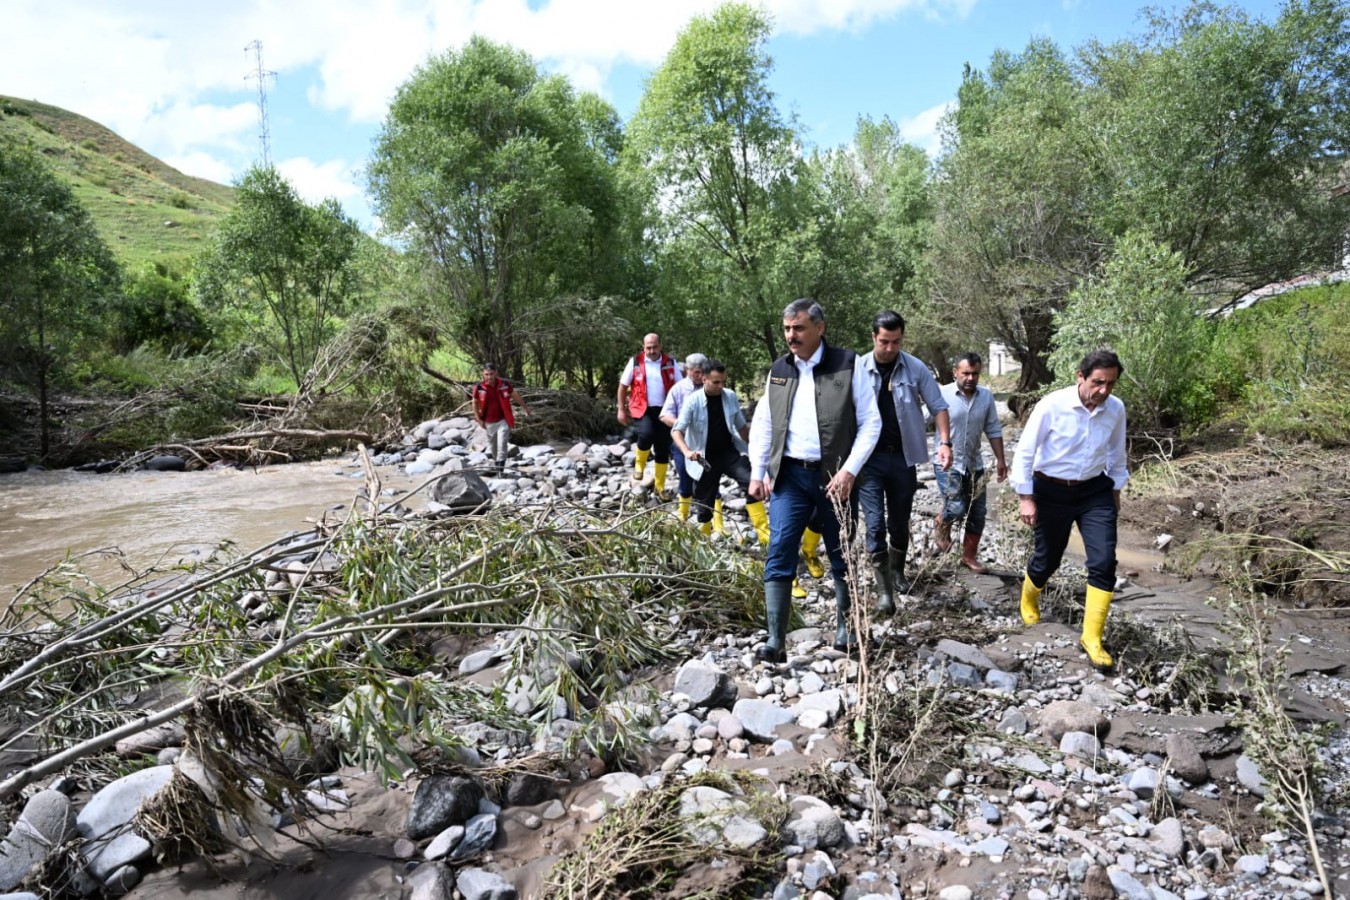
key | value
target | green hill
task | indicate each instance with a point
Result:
(147, 211)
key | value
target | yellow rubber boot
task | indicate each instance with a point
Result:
(682, 510)
(640, 464)
(660, 483)
(797, 590)
(1031, 602)
(719, 524)
(1094, 622)
(759, 520)
(810, 542)
(706, 528)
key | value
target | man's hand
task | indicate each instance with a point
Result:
(759, 489)
(1002, 471)
(481, 423)
(623, 417)
(944, 456)
(1026, 509)
(841, 485)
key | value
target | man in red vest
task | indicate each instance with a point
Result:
(642, 389)
(492, 410)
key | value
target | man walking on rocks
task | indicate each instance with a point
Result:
(813, 430)
(694, 368)
(711, 434)
(972, 412)
(887, 484)
(492, 398)
(1070, 468)
(646, 380)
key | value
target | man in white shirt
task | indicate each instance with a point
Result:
(694, 365)
(646, 380)
(812, 433)
(1070, 469)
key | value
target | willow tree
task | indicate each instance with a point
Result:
(486, 171)
(717, 165)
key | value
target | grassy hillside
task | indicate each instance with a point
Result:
(148, 212)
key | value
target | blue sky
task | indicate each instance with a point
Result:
(170, 75)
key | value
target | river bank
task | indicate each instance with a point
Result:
(964, 751)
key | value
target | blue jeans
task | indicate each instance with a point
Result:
(1092, 506)
(686, 488)
(963, 494)
(798, 499)
(886, 487)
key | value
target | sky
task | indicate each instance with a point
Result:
(177, 77)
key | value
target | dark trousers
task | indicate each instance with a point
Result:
(735, 466)
(799, 500)
(1090, 505)
(654, 435)
(885, 491)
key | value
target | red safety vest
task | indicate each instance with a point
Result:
(503, 394)
(637, 397)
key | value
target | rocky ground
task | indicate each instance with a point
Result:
(961, 755)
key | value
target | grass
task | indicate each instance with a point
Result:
(146, 211)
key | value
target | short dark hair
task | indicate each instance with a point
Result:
(489, 365)
(715, 365)
(1101, 358)
(971, 358)
(888, 320)
(805, 305)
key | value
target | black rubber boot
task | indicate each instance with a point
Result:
(899, 583)
(881, 568)
(844, 639)
(777, 610)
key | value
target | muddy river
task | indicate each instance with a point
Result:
(162, 517)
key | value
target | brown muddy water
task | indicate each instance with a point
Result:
(160, 518)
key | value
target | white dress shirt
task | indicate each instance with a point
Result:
(656, 388)
(803, 435)
(1064, 439)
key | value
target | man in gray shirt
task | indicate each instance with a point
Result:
(972, 412)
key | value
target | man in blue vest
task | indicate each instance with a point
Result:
(812, 433)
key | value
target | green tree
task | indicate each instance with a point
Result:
(56, 274)
(718, 167)
(288, 267)
(1139, 305)
(495, 177)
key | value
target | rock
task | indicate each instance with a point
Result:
(813, 824)
(1252, 864)
(1143, 782)
(1013, 721)
(528, 789)
(480, 884)
(704, 684)
(479, 833)
(444, 842)
(729, 728)
(830, 702)
(1080, 743)
(477, 662)
(762, 718)
(955, 892)
(122, 881)
(430, 881)
(1168, 839)
(963, 675)
(462, 491)
(817, 868)
(1126, 885)
(1062, 716)
(152, 740)
(442, 801)
(103, 823)
(1097, 885)
(999, 680)
(1185, 759)
(965, 653)
(165, 463)
(46, 823)
(1249, 776)
(307, 755)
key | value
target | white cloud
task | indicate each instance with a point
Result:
(202, 165)
(922, 129)
(316, 181)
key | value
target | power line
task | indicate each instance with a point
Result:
(261, 75)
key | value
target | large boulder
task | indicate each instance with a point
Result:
(704, 684)
(1063, 716)
(462, 492)
(104, 823)
(442, 801)
(46, 823)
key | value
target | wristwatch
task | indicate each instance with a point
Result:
(946, 443)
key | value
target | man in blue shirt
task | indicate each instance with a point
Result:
(972, 412)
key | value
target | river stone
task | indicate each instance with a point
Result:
(813, 824)
(965, 653)
(442, 801)
(166, 463)
(480, 884)
(1062, 716)
(762, 718)
(1249, 776)
(104, 822)
(830, 702)
(715, 817)
(46, 823)
(704, 684)
(1168, 838)
(122, 881)
(1126, 885)
(430, 881)
(1185, 759)
(528, 789)
(478, 661)
(444, 842)
(307, 755)
(479, 833)
(729, 728)
(963, 675)
(461, 491)
(152, 740)
(1143, 782)
(1080, 743)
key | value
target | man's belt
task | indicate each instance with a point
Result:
(809, 465)
(1067, 482)
(889, 448)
